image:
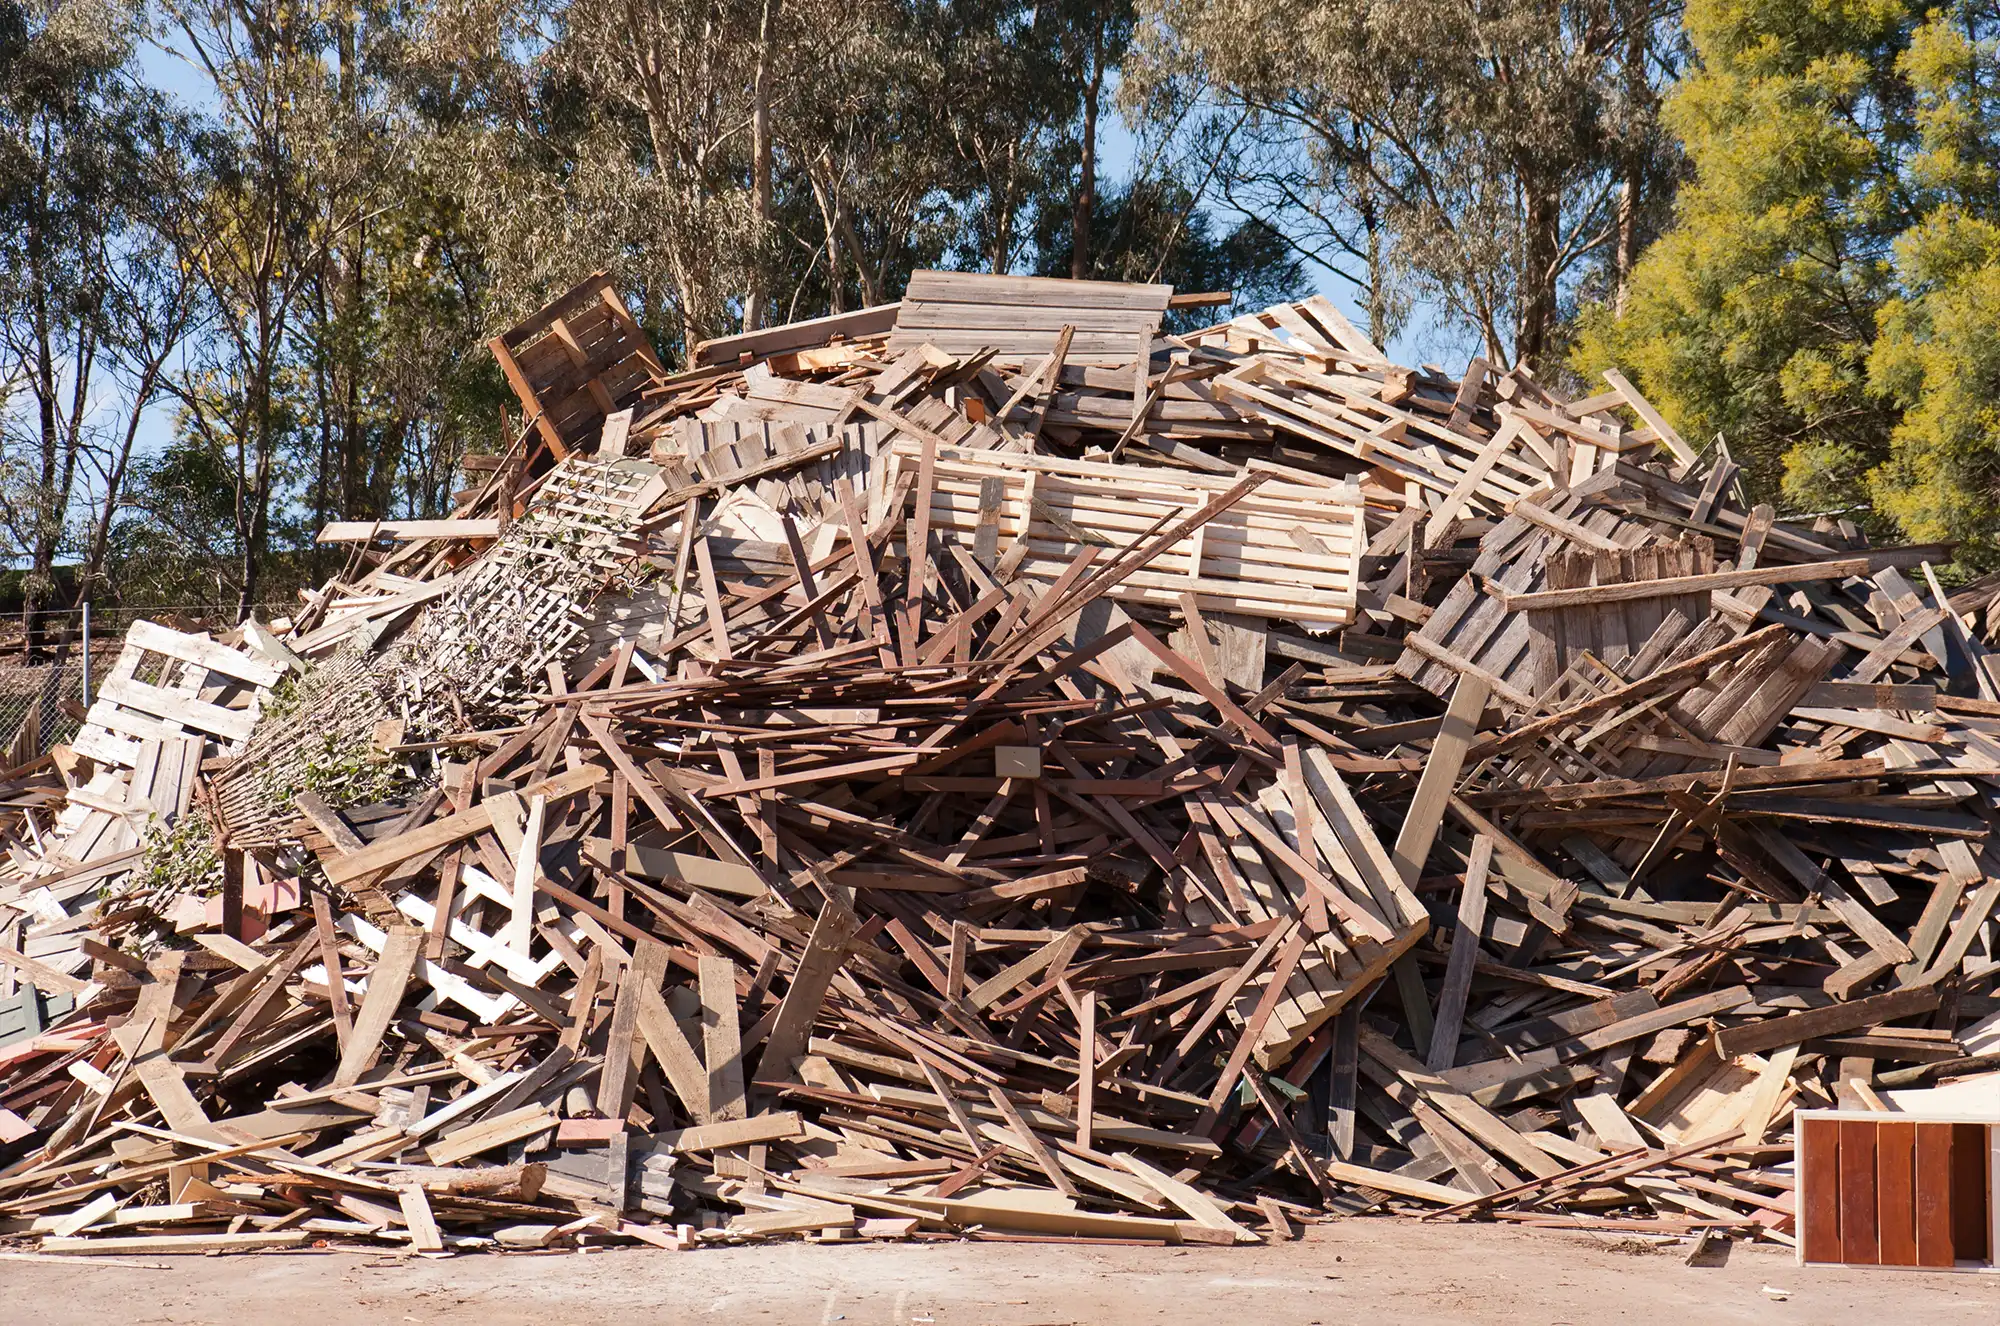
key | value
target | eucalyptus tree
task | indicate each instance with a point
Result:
(1486, 157)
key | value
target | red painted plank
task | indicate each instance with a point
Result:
(1934, 1194)
(1858, 1242)
(1819, 1189)
(1895, 1192)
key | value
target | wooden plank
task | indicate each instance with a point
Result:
(519, 930)
(167, 1085)
(328, 821)
(980, 289)
(875, 320)
(1796, 1028)
(1871, 695)
(199, 650)
(1440, 776)
(1682, 452)
(676, 1055)
(419, 1219)
(159, 702)
(995, 1213)
(1859, 1244)
(825, 952)
(1488, 1128)
(1253, 1027)
(1968, 926)
(402, 531)
(489, 1133)
(1464, 952)
(386, 983)
(171, 1244)
(1800, 572)
(722, 1038)
(779, 1126)
(329, 956)
(1933, 1194)
(1422, 821)
(1971, 1193)
(1056, 953)
(1895, 1192)
(614, 1084)
(1819, 1189)
(1197, 1205)
(41, 975)
(1199, 683)
(1468, 484)
(1402, 1186)
(1028, 1142)
(1086, 1068)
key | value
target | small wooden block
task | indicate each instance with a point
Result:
(888, 1228)
(1017, 761)
(588, 1132)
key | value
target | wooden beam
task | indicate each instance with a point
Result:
(1671, 585)
(386, 983)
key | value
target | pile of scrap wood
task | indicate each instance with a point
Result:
(991, 766)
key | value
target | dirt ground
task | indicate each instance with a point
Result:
(1392, 1270)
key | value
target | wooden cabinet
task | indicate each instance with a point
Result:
(1897, 1190)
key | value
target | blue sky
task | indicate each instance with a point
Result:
(1423, 339)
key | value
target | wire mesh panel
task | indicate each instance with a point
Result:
(33, 715)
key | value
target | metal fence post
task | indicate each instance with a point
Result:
(86, 653)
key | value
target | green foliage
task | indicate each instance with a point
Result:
(337, 759)
(1937, 356)
(179, 861)
(1826, 298)
(347, 770)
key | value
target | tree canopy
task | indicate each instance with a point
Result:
(1779, 216)
(1824, 298)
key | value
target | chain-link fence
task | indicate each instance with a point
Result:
(33, 712)
(45, 680)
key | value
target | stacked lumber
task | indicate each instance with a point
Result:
(991, 767)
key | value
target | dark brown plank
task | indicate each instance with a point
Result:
(1769, 1034)
(1969, 1213)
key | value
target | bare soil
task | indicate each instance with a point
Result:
(1363, 1270)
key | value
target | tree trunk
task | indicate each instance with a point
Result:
(99, 545)
(835, 282)
(1002, 192)
(354, 441)
(1378, 287)
(35, 588)
(761, 206)
(1085, 202)
(871, 285)
(1628, 211)
(1638, 36)
(1536, 318)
